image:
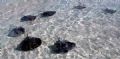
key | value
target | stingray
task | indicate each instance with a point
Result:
(28, 18)
(47, 13)
(15, 32)
(62, 46)
(110, 11)
(29, 43)
(80, 7)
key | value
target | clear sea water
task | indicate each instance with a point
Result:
(97, 35)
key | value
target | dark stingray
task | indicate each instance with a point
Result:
(80, 7)
(29, 43)
(48, 13)
(62, 46)
(110, 11)
(28, 18)
(15, 32)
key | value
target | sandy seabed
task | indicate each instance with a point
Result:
(97, 35)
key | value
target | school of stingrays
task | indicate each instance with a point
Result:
(30, 43)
